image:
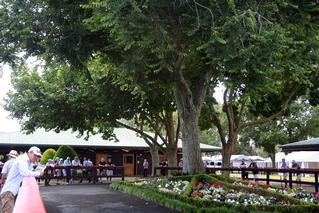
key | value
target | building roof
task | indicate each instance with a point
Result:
(126, 139)
(305, 145)
(299, 156)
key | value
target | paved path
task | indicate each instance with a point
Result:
(94, 198)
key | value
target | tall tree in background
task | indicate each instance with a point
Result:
(60, 99)
(263, 52)
(300, 122)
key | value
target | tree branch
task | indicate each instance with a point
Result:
(281, 112)
(200, 92)
(157, 130)
(142, 133)
(177, 130)
(230, 116)
(217, 123)
(242, 107)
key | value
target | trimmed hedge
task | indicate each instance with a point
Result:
(47, 154)
(65, 151)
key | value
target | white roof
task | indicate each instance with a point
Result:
(126, 138)
(301, 156)
(234, 158)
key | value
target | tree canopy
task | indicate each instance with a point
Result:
(265, 53)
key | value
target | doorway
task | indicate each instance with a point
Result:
(128, 164)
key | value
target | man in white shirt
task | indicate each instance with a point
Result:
(21, 167)
(13, 154)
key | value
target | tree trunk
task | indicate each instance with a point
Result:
(155, 157)
(192, 158)
(171, 147)
(226, 154)
(273, 160)
(189, 104)
(171, 155)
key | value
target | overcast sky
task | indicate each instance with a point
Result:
(8, 124)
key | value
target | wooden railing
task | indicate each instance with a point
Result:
(29, 198)
(267, 171)
(81, 172)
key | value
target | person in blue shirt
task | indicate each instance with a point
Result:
(87, 172)
(67, 170)
(13, 154)
(284, 165)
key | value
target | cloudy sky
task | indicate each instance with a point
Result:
(8, 124)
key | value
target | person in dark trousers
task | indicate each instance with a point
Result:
(296, 166)
(253, 165)
(145, 167)
(163, 165)
(109, 170)
(244, 173)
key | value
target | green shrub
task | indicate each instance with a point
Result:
(65, 151)
(47, 154)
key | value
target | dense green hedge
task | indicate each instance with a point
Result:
(65, 151)
(190, 204)
(47, 154)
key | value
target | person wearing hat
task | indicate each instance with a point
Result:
(21, 167)
(13, 154)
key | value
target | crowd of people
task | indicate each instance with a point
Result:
(83, 170)
(19, 166)
(284, 165)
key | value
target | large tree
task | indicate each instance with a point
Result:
(59, 99)
(299, 123)
(263, 52)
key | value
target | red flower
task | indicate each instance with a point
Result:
(317, 196)
(216, 185)
(266, 186)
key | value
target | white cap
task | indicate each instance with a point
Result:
(13, 153)
(36, 151)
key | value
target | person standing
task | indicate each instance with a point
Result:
(284, 165)
(296, 166)
(13, 154)
(77, 172)
(67, 170)
(87, 170)
(109, 170)
(163, 166)
(244, 172)
(145, 167)
(49, 172)
(21, 167)
(101, 171)
(253, 165)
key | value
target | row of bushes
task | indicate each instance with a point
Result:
(187, 204)
(63, 151)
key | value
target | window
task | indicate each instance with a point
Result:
(128, 159)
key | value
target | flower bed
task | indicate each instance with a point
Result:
(165, 185)
(293, 193)
(205, 193)
(218, 193)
